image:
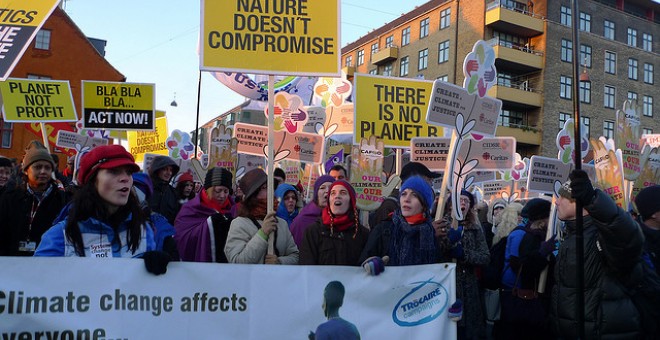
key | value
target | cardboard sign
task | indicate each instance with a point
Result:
(491, 153)
(448, 101)
(248, 162)
(609, 170)
(652, 140)
(430, 151)
(366, 170)
(21, 20)
(36, 100)
(627, 137)
(281, 38)
(301, 146)
(494, 189)
(392, 109)
(51, 130)
(72, 140)
(141, 142)
(650, 174)
(222, 148)
(544, 172)
(118, 106)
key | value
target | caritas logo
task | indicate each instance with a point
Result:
(423, 304)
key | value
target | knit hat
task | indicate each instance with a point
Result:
(283, 188)
(419, 169)
(422, 188)
(104, 157)
(319, 182)
(565, 190)
(536, 209)
(648, 201)
(142, 182)
(219, 177)
(5, 162)
(160, 162)
(469, 196)
(349, 187)
(185, 177)
(36, 154)
(252, 182)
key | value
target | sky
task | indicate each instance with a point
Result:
(155, 41)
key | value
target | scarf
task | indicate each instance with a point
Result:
(416, 219)
(412, 244)
(339, 223)
(260, 210)
(224, 207)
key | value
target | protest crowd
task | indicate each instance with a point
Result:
(512, 281)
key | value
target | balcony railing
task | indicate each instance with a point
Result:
(514, 6)
(524, 48)
(520, 85)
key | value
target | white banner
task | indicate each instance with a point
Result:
(72, 298)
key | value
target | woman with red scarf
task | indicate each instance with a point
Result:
(337, 238)
(203, 223)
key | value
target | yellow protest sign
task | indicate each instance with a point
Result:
(294, 37)
(19, 23)
(392, 109)
(118, 106)
(37, 101)
(141, 142)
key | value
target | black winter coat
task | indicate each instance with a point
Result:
(609, 312)
(164, 200)
(15, 209)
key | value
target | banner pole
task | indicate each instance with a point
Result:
(270, 165)
(44, 135)
(199, 91)
(447, 175)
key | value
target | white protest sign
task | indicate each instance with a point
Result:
(544, 172)
(73, 140)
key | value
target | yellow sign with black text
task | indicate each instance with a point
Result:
(292, 38)
(118, 106)
(392, 109)
(32, 100)
(141, 142)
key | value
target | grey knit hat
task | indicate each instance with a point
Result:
(218, 177)
(36, 154)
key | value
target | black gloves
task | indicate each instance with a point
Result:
(581, 188)
(156, 261)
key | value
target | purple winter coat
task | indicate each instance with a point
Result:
(197, 233)
(307, 216)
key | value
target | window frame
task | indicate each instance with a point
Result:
(423, 59)
(424, 26)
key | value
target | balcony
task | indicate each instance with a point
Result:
(519, 93)
(513, 17)
(522, 133)
(385, 55)
(349, 70)
(522, 58)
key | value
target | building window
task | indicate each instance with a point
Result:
(609, 95)
(563, 117)
(404, 66)
(374, 48)
(374, 71)
(585, 22)
(647, 42)
(565, 16)
(405, 36)
(565, 87)
(389, 41)
(586, 126)
(648, 73)
(646, 131)
(349, 61)
(610, 62)
(6, 129)
(585, 92)
(444, 78)
(387, 70)
(424, 28)
(511, 118)
(566, 50)
(585, 55)
(445, 18)
(42, 40)
(36, 76)
(632, 37)
(647, 106)
(632, 69)
(608, 129)
(632, 96)
(443, 52)
(608, 30)
(423, 60)
(360, 60)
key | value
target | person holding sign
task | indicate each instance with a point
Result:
(249, 233)
(338, 238)
(408, 238)
(105, 218)
(612, 253)
(28, 209)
